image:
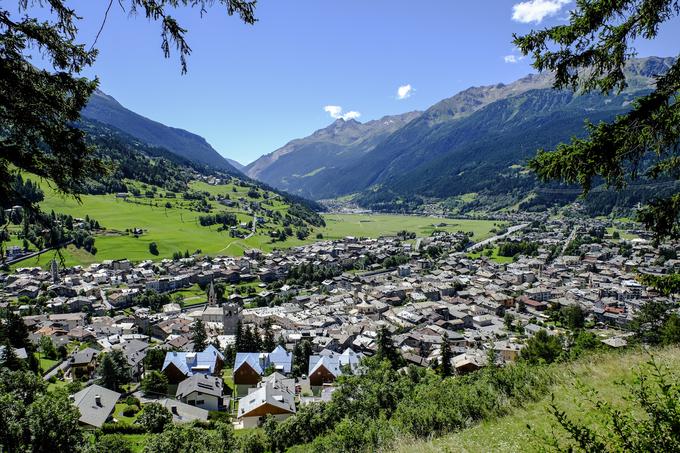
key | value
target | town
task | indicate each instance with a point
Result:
(266, 333)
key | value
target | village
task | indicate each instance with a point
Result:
(311, 313)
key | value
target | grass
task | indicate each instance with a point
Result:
(45, 363)
(623, 234)
(494, 256)
(137, 442)
(177, 229)
(510, 433)
(374, 225)
(118, 414)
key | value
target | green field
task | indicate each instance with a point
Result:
(374, 225)
(510, 433)
(177, 229)
(494, 256)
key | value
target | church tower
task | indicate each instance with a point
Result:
(230, 316)
(54, 270)
(212, 297)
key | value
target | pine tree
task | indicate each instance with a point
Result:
(9, 358)
(239, 337)
(589, 54)
(268, 343)
(387, 350)
(446, 368)
(200, 338)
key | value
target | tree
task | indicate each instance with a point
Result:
(41, 104)
(239, 337)
(53, 424)
(199, 337)
(110, 443)
(542, 348)
(590, 53)
(155, 383)
(387, 350)
(508, 319)
(301, 353)
(446, 368)
(268, 343)
(573, 316)
(155, 418)
(47, 347)
(14, 330)
(113, 370)
(153, 248)
(657, 323)
(154, 359)
(9, 358)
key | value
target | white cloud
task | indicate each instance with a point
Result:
(404, 91)
(335, 111)
(512, 58)
(536, 10)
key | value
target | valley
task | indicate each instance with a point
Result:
(177, 228)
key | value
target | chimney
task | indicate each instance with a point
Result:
(173, 409)
(98, 400)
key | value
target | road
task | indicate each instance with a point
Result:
(34, 254)
(569, 239)
(512, 229)
(252, 233)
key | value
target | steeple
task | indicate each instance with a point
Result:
(54, 270)
(212, 297)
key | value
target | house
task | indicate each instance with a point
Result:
(202, 391)
(325, 367)
(249, 367)
(96, 404)
(178, 366)
(270, 398)
(83, 363)
(182, 412)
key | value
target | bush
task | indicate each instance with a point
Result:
(253, 442)
(130, 410)
(122, 428)
(111, 443)
(155, 418)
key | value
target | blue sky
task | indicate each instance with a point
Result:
(251, 89)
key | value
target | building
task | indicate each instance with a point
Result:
(178, 366)
(249, 367)
(270, 398)
(202, 391)
(83, 363)
(230, 317)
(325, 367)
(96, 404)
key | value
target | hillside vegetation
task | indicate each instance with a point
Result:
(609, 374)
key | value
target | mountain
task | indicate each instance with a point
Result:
(301, 166)
(476, 142)
(237, 165)
(105, 109)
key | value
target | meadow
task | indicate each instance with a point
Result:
(177, 228)
(602, 372)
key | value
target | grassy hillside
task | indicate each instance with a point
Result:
(178, 229)
(510, 434)
(173, 229)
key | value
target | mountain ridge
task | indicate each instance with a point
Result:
(479, 131)
(106, 109)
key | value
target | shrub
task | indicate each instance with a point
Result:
(122, 428)
(130, 410)
(155, 418)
